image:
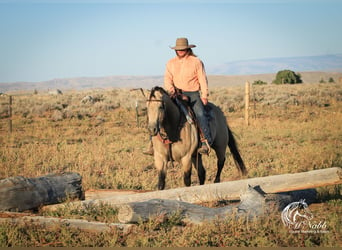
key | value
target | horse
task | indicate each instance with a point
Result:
(296, 212)
(176, 139)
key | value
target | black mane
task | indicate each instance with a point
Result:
(157, 88)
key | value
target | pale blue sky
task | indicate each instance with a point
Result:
(45, 39)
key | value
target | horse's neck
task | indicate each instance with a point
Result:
(172, 118)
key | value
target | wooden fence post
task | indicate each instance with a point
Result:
(137, 113)
(10, 114)
(254, 103)
(247, 94)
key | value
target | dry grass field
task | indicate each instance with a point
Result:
(293, 128)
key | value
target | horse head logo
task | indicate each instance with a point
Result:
(295, 214)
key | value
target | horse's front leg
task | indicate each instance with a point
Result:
(186, 165)
(161, 180)
(160, 165)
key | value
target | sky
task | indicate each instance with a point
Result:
(46, 39)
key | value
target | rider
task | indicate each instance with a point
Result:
(186, 72)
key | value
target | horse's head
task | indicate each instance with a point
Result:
(155, 110)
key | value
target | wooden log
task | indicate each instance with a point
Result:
(55, 223)
(227, 190)
(162, 209)
(254, 202)
(93, 194)
(20, 193)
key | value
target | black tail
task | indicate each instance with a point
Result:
(235, 152)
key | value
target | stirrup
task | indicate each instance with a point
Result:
(205, 148)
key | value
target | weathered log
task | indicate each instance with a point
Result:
(162, 209)
(54, 223)
(254, 202)
(228, 190)
(93, 194)
(20, 193)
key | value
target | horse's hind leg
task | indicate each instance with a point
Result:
(220, 165)
(198, 164)
(221, 158)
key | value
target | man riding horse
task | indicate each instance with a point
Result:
(186, 73)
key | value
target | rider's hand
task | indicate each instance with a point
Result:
(172, 91)
(204, 100)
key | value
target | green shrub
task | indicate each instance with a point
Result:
(259, 82)
(287, 77)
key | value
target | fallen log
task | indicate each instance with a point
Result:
(254, 202)
(20, 193)
(51, 223)
(160, 209)
(226, 190)
(92, 194)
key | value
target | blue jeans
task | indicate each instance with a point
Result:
(198, 108)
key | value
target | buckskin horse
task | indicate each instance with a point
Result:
(176, 139)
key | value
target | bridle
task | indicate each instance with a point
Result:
(162, 136)
(161, 110)
(161, 133)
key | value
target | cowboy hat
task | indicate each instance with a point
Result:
(182, 44)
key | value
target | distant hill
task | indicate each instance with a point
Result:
(332, 63)
(312, 69)
(148, 82)
(86, 83)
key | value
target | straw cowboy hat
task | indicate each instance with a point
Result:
(182, 44)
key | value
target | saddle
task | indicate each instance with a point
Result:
(182, 102)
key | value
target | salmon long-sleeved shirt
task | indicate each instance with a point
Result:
(186, 73)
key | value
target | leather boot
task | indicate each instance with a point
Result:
(204, 149)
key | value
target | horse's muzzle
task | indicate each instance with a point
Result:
(153, 129)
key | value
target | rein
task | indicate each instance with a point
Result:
(154, 100)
